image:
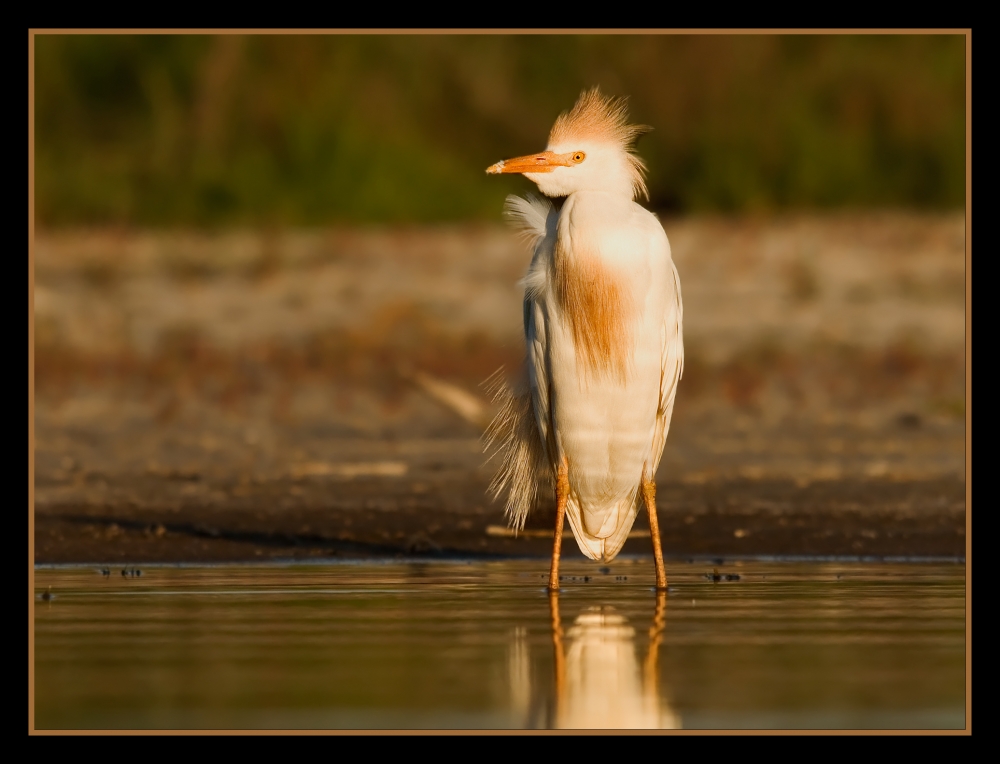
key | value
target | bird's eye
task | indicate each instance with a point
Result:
(579, 156)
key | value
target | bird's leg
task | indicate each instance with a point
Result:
(562, 494)
(649, 495)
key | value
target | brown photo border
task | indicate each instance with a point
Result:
(32, 33)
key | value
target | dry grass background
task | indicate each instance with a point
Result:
(826, 315)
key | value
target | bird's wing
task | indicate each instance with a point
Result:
(671, 366)
(536, 219)
(536, 340)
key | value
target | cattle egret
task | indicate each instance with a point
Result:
(603, 329)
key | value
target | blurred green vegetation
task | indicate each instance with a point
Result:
(161, 130)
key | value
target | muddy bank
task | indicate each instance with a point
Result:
(908, 520)
(114, 483)
(450, 516)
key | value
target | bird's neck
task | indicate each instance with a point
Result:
(590, 214)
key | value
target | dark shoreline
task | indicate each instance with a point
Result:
(872, 519)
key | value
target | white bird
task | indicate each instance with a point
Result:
(603, 329)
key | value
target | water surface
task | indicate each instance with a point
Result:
(482, 645)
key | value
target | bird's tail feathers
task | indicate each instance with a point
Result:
(605, 549)
(514, 437)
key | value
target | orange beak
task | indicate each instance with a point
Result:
(544, 162)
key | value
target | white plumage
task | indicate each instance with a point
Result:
(603, 329)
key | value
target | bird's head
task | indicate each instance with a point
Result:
(589, 149)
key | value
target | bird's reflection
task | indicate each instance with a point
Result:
(599, 682)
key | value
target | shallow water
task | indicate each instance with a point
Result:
(482, 645)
